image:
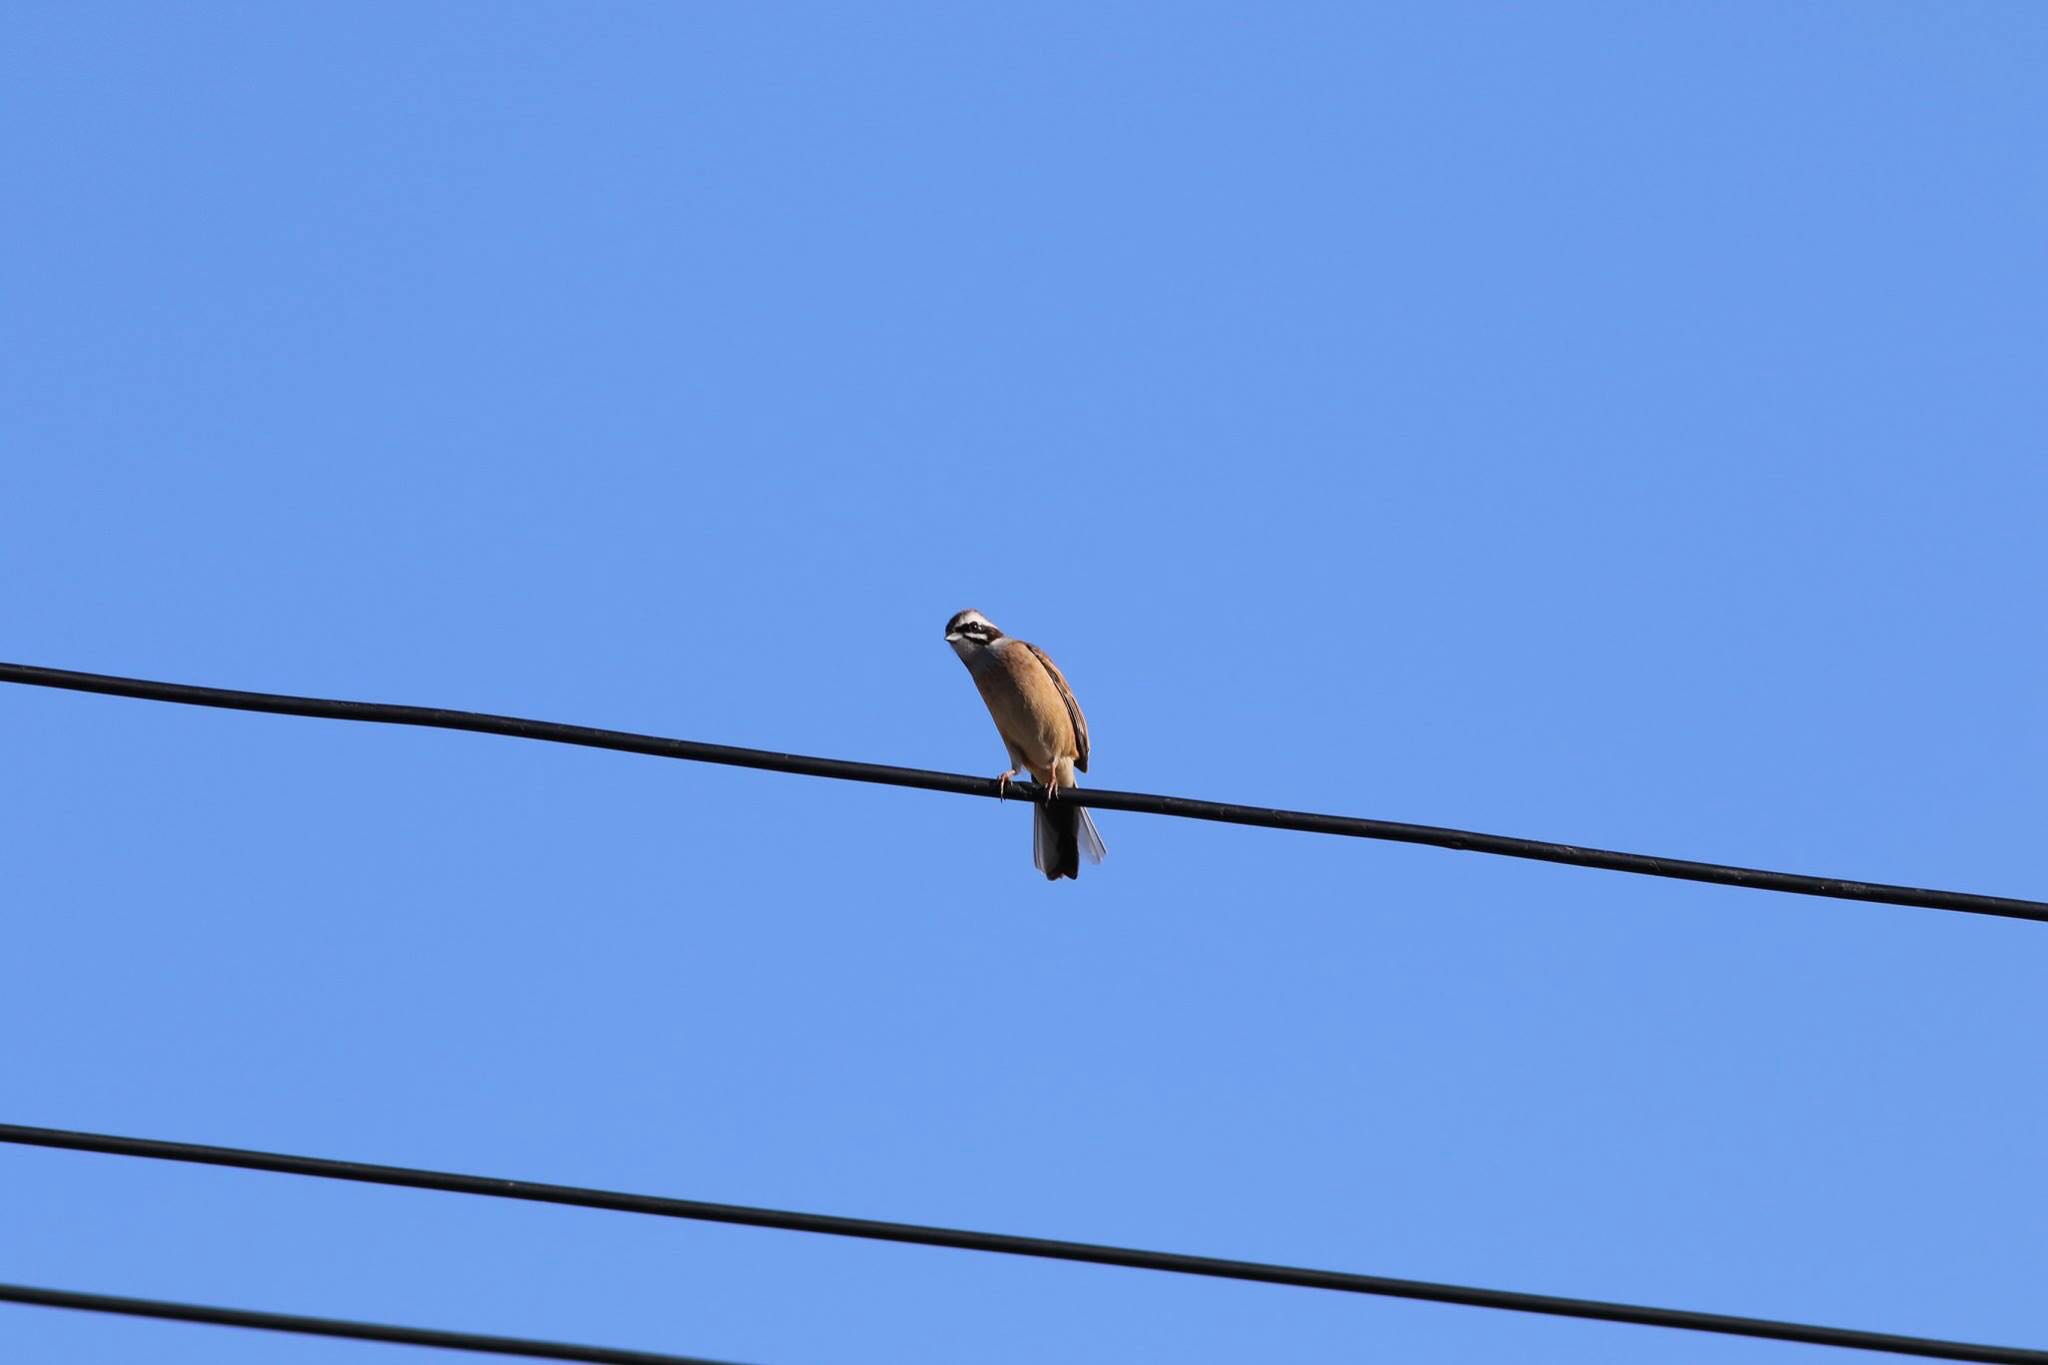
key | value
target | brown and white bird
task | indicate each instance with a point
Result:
(1042, 727)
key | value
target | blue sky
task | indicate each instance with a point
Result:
(1617, 424)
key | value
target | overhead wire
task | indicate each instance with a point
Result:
(1098, 798)
(300, 1325)
(1013, 1245)
(959, 784)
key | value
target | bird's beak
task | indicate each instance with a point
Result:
(953, 637)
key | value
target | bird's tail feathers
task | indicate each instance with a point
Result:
(1061, 835)
(1090, 840)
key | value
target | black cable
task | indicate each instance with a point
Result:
(336, 1327)
(1087, 1252)
(554, 732)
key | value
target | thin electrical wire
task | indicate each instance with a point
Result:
(1007, 1244)
(335, 1327)
(961, 784)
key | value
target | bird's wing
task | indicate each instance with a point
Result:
(1080, 721)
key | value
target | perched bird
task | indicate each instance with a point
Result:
(1042, 727)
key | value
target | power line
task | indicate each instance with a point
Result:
(336, 1327)
(1007, 1244)
(554, 732)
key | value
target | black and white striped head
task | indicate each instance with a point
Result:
(969, 632)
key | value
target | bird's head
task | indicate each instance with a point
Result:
(970, 632)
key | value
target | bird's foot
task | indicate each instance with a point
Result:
(1003, 785)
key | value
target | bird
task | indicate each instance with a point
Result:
(1043, 729)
